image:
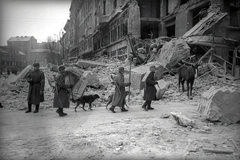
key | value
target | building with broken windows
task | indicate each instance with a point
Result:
(23, 43)
(12, 59)
(101, 26)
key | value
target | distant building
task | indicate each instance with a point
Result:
(12, 59)
(43, 57)
(23, 43)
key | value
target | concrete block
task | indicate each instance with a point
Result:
(25, 71)
(91, 78)
(182, 119)
(162, 87)
(220, 104)
(173, 51)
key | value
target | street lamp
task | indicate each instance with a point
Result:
(61, 41)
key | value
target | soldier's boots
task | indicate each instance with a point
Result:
(29, 110)
(124, 109)
(145, 108)
(63, 112)
(150, 108)
(60, 112)
(112, 109)
(36, 109)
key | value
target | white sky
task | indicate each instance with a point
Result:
(38, 18)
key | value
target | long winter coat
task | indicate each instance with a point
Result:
(119, 98)
(61, 94)
(36, 81)
(150, 89)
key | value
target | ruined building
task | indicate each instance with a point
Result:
(100, 26)
(24, 43)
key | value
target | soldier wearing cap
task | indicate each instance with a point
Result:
(36, 81)
(150, 90)
(61, 94)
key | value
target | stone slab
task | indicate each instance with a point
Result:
(220, 104)
(88, 63)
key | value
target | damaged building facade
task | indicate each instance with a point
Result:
(100, 26)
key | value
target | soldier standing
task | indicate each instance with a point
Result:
(36, 81)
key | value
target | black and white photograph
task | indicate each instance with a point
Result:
(120, 79)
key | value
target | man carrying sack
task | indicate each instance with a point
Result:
(61, 94)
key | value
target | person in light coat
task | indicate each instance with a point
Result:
(120, 93)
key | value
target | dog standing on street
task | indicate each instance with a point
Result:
(85, 99)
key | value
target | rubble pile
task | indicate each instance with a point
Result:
(173, 51)
(16, 93)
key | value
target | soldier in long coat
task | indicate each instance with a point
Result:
(150, 90)
(120, 94)
(61, 94)
(36, 81)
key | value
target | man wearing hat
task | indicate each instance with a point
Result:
(150, 90)
(61, 94)
(36, 81)
(120, 93)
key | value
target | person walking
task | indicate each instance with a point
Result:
(120, 93)
(36, 81)
(149, 90)
(61, 94)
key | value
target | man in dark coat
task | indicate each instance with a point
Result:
(120, 94)
(150, 90)
(61, 94)
(36, 81)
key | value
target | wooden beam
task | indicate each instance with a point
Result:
(213, 150)
(209, 51)
(234, 60)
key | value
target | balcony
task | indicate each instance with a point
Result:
(103, 20)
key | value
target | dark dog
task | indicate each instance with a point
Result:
(110, 98)
(85, 99)
(187, 73)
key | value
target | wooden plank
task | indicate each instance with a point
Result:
(213, 150)
(235, 144)
(199, 24)
(234, 61)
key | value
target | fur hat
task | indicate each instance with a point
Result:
(36, 65)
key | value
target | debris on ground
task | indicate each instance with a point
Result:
(183, 120)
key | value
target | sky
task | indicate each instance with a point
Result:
(38, 18)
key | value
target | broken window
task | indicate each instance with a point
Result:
(118, 28)
(171, 31)
(184, 1)
(149, 30)
(234, 16)
(199, 13)
(149, 9)
(167, 8)
(104, 7)
(115, 4)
